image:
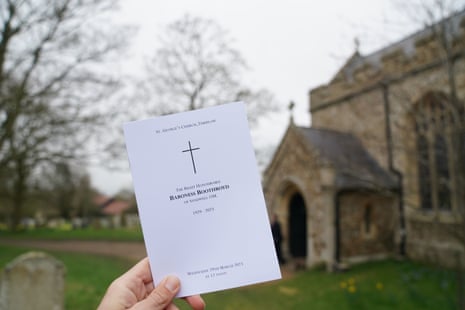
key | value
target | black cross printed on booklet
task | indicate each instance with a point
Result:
(190, 149)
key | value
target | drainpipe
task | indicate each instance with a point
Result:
(337, 225)
(399, 175)
(337, 234)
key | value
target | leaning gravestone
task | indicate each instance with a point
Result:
(33, 280)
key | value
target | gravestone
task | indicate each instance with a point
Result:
(33, 280)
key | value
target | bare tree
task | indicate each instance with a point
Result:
(52, 82)
(67, 190)
(197, 66)
(64, 187)
(85, 194)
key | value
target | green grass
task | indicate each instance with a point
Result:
(76, 234)
(377, 285)
(87, 277)
(380, 285)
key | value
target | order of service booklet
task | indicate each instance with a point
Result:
(200, 199)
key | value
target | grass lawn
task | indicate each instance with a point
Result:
(379, 285)
(76, 234)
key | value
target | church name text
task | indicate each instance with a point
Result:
(184, 126)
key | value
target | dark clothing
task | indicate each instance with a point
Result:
(277, 238)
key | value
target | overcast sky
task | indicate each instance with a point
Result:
(290, 46)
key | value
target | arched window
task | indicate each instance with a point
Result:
(424, 174)
(442, 170)
(367, 219)
(433, 136)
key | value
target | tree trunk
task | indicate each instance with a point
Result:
(18, 194)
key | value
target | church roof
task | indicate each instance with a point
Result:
(355, 167)
(348, 68)
(454, 24)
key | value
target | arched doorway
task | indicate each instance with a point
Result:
(297, 226)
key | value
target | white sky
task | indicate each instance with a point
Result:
(291, 47)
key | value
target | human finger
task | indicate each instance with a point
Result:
(140, 271)
(172, 307)
(196, 302)
(162, 295)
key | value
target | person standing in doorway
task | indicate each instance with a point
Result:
(277, 238)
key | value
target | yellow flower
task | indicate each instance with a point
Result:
(352, 289)
(343, 284)
(379, 286)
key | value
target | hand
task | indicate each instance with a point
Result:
(135, 290)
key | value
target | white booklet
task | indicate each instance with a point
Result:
(200, 199)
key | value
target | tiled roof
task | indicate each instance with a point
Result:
(116, 207)
(355, 167)
(406, 46)
(111, 206)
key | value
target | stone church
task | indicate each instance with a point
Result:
(380, 172)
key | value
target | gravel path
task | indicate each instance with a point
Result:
(129, 250)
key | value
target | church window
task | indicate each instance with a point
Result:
(433, 155)
(459, 148)
(442, 168)
(424, 173)
(367, 219)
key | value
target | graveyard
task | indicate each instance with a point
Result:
(356, 158)
(387, 284)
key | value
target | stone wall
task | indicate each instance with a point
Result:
(440, 249)
(355, 239)
(296, 169)
(424, 240)
(410, 56)
(361, 115)
(355, 100)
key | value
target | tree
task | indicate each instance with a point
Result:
(196, 66)
(64, 187)
(67, 190)
(85, 194)
(52, 80)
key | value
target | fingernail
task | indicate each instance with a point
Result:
(172, 283)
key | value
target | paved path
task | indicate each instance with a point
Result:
(129, 250)
(133, 251)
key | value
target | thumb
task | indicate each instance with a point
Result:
(162, 295)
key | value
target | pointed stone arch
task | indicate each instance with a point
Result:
(292, 208)
(297, 227)
(433, 119)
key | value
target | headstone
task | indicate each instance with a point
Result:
(33, 280)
